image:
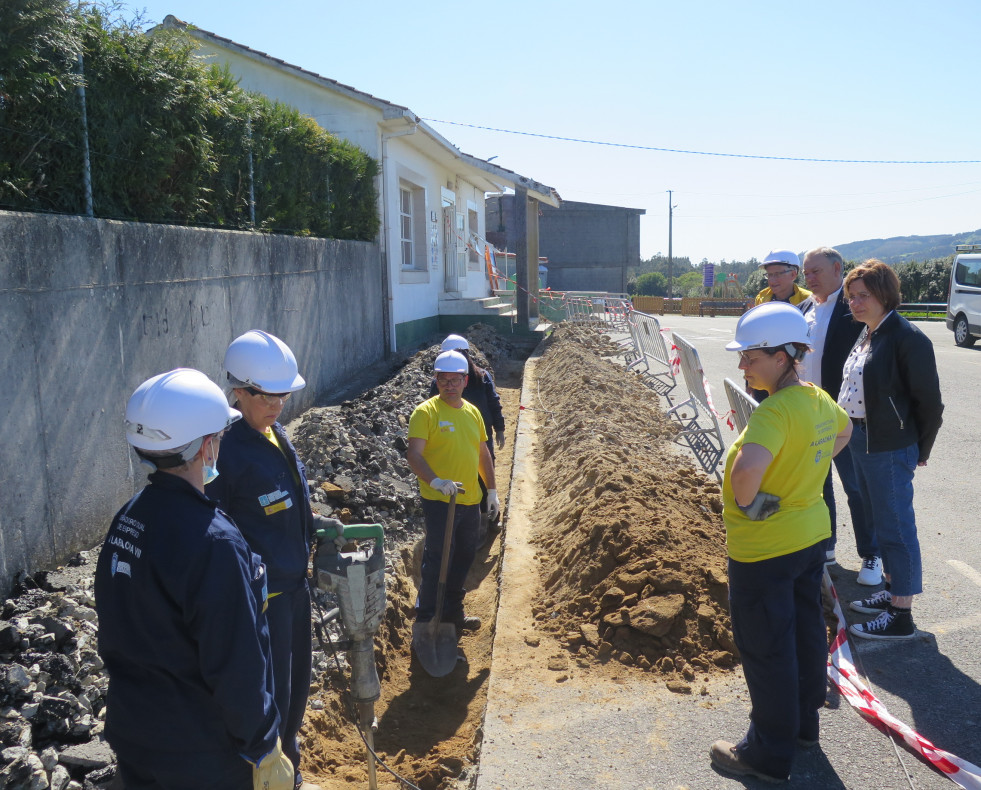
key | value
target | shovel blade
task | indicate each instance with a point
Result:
(436, 648)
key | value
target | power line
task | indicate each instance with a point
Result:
(714, 153)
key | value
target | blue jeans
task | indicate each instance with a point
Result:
(858, 507)
(778, 626)
(463, 549)
(886, 482)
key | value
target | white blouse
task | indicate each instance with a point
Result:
(852, 395)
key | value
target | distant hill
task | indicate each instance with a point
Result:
(902, 249)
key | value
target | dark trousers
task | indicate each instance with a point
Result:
(292, 657)
(778, 626)
(466, 522)
(144, 769)
(858, 508)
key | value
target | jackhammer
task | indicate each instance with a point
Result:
(357, 579)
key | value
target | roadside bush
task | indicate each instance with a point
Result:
(169, 138)
(651, 284)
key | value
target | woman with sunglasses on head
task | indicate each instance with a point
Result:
(891, 391)
(262, 485)
(776, 524)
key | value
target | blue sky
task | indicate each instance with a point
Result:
(859, 80)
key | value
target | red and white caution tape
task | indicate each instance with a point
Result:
(675, 359)
(842, 672)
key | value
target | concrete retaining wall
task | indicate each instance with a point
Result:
(91, 308)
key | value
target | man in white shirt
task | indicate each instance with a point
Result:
(833, 332)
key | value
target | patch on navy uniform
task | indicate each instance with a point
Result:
(284, 505)
(275, 496)
(120, 567)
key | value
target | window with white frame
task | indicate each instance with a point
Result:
(412, 230)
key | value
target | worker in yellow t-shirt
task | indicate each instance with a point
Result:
(776, 524)
(447, 451)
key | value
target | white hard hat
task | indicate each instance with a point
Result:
(172, 409)
(258, 359)
(781, 256)
(451, 362)
(770, 325)
(454, 343)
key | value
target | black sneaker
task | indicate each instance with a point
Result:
(873, 604)
(888, 625)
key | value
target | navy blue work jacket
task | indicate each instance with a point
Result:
(180, 599)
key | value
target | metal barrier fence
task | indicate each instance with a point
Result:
(700, 430)
(650, 354)
(741, 403)
(608, 311)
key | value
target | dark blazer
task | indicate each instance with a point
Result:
(843, 331)
(902, 390)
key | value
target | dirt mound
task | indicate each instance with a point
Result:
(632, 542)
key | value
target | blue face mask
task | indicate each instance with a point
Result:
(210, 472)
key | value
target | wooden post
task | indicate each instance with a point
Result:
(531, 226)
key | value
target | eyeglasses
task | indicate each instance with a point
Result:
(858, 297)
(781, 273)
(269, 398)
(452, 381)
(764, 352)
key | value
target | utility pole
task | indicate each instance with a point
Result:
(670, 260)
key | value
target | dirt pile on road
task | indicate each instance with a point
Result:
(632, 541)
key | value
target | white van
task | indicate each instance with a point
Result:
(964, 298)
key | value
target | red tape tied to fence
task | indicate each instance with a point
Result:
(842, 672)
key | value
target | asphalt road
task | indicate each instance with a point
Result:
(632, 733)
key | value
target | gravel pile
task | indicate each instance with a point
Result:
(52, 683)
(355, 453)
(52, 688)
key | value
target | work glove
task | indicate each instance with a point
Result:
(500, 440)
(446, 487)
(493, 503)
(322, 522)
(274, 771)
(762, 507)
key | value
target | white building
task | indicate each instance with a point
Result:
(431, 194)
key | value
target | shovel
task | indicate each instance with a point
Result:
(435, 642)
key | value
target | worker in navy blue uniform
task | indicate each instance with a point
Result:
(481, 392)
(180, 599)
(263, 486)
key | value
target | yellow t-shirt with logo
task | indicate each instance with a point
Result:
(798, 425)
(453, 438)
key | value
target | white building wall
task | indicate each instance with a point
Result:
(348, 118)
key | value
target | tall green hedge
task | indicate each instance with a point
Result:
(169, 138)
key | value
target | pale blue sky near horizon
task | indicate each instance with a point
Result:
(865, 80)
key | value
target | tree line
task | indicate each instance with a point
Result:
(920, 281)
